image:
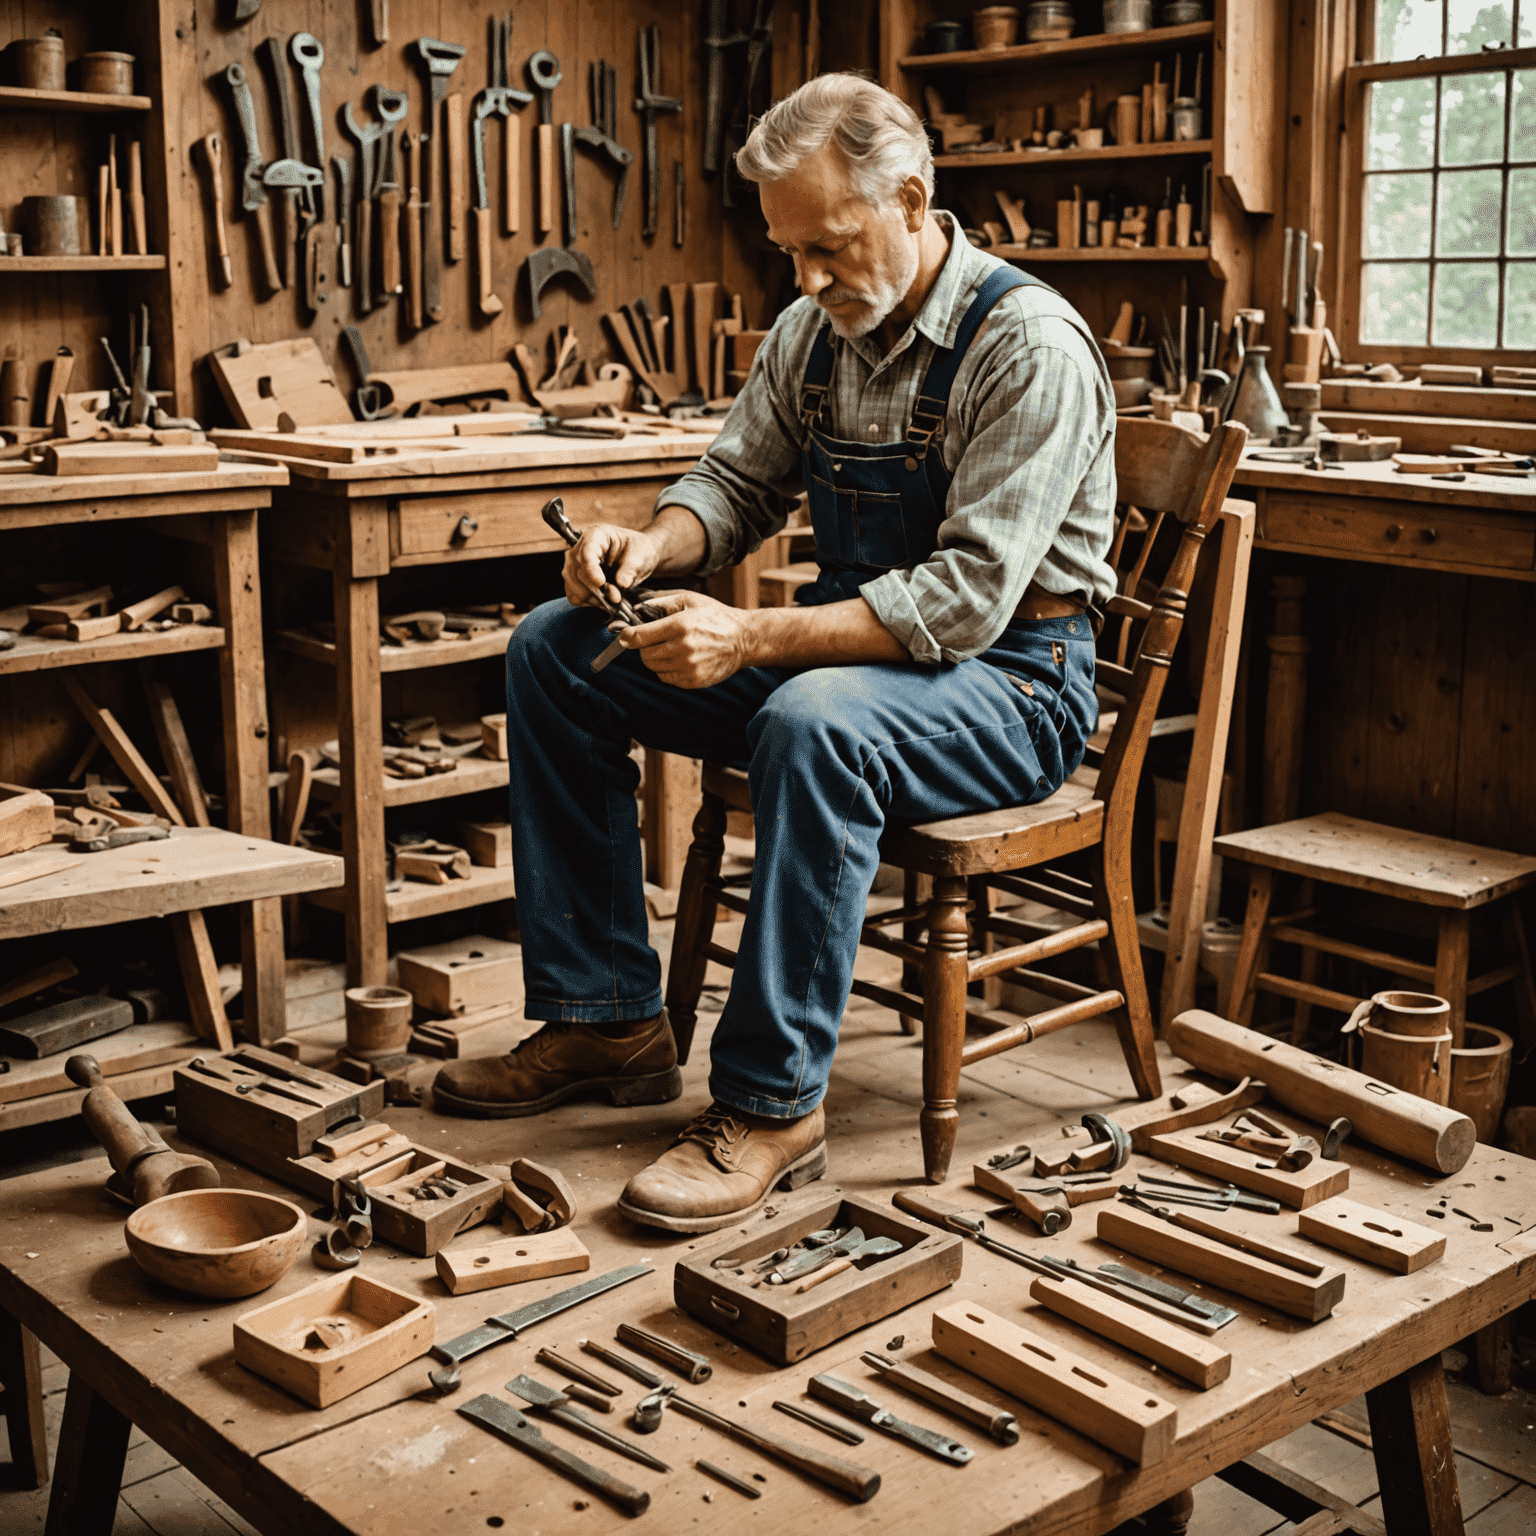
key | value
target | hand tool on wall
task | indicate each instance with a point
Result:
(544, 72)
(439, 59)
(715, 44)
(759, 44)
(414, 213)
(213, 158)
(270, 51)
(503, 1419)
(600, 137)
(296, 177)
(390, 107)
(379, 21)
(309, 54)
(453, 125)
(568, 179)
(489, 303)
(253, 194)
(366, 135)
(648, 103)
(997, 1422)
(499, 99)
(144, 1168)
(859, 1405)
(679, 204)
(505, 1326)
(546, 265)
(341, 169)
(556, 1406)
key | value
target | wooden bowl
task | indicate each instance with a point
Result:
(217, 1242)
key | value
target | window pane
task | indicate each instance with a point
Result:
(1466, 304)
(1520, 304)
(1407, 28)
(1467, 218)
(1396, 303)
(1522, 118)
(1476, 22)
(1522, 213)
(1402, 125)
(1471, 119)
(1397, 214)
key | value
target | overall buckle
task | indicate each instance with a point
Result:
(813, 401)
(927, 424)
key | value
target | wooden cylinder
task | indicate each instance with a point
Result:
(15, 397)
(1480, 1078)
(1428, 1134)
(1127, 120)
(1418, 1064)
(378, 1021)
(1287, 702)
(995, 26)
(40, 62)
(57, 226)
(1066, 223)
(1411, 1013)
(107, 74)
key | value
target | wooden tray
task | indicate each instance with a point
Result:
(381, 1328)
(785, 1325)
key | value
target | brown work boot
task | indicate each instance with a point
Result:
(722, 1166)
(560, 1061)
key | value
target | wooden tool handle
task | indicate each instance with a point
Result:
(213, 147)
(633, 1501)
(546, 177)
(1049, 1212)
(136, 199)
(133, 616)
(365, 249)
(415, 278)
(269, 273)
(458, 176)
(997, 1422)
(916, 1202)
(845, 1476)
(389, 242)
(837, 1267)
(512, 163)
(103, 214)
(489, 303)
(111, 1123)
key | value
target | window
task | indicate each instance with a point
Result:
(1443, 108)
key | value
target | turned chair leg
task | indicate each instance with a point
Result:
(912, 933)
(1122, 958)
(944, 996)
(695, 923)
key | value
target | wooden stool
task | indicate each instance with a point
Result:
(1454, 878)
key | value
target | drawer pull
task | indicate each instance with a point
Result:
(725, 1308)
(468, 526)
(1428, 535)
(1394, 533)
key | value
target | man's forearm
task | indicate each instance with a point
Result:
(833, 635)
(680, 540)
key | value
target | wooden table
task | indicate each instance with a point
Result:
(395, 1457)
(195, 868)
(218, 511)
(434, 502)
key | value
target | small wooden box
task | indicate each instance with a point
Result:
(462, 974)
(489, 843)
(381, 1328)
(785, 1325)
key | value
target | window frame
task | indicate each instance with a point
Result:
(1358, 77)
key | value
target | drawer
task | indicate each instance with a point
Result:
(1397, 532)
(430, 529)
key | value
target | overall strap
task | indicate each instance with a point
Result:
(933, 395)
(817, 382)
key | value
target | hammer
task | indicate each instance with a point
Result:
(144, 1167)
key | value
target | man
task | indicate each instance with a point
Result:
(952, 423)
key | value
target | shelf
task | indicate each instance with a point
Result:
(24, 98)
(417, 898)
(82, 263)
(472, 774)
(1027, 254)
(32, 654)
(1100, 45)
(162, 1043)
(403, 658)
(1038, 159)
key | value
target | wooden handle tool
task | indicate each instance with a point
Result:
(512, 164)
(546, 177)
(489, 303)
(133, 617)
(997, 1422)
(1050, 1212)
(458, 175)
(213, 152)
(413, 249)
(270, 274)
(136, 199)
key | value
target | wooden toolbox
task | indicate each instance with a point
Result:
(786, 1325)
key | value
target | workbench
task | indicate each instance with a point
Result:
(396, 1457)
(218, 511)
(432, 502)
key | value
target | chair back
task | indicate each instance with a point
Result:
(1163, 471)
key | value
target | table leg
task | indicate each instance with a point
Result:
(242, 674)
(1494, 1351)
(21, 1375)
(1415, 1464)
(1453, 955)
(89, 1476)
(263, 992)
(1253, 952)
(1172, 1516)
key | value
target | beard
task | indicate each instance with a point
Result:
(889, 285)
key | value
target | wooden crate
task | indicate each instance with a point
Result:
(785, 1325)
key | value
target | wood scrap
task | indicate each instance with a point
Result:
(26, 818)
(127, 756)
(132, 458)
(434, 862)
(291, 378)
(61, 609)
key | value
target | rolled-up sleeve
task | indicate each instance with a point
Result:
(1036, 447)
(745, 486)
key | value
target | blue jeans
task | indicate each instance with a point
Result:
(832, 753)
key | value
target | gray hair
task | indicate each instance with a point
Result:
(880, 137)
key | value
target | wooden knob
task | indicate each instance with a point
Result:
(84, 1070)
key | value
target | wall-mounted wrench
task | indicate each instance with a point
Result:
(341, 168)
(544, 71)
(308, 53)
(253, 193)
(391, 107)
(271, 52)
(439, 59)
(366, 135)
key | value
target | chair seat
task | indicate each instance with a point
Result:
(1389, 861)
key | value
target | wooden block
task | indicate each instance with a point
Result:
(333, 1146)
(279, 378)
(1450, 373)
(128, 459)
(92, 629)
(493, 736)
(1126, 1418)
(1176, 1349)
(1319, 1180)
(334, 1337)
(511, 1259)
(474, 972)
(61, 610)
(26, 818)
(1244, 1275)
(489, 843)
(435, 866)
(1385, 1239)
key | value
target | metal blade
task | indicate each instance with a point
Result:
(1171, 1293)
(859, 1405)
(558, 1407)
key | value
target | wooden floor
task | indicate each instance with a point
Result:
(1495, 1438)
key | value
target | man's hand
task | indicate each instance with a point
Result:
(629, 553)
(699, 643)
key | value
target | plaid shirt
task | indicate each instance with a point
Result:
(1029, 439)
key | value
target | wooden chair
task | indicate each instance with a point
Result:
(1165, 471)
